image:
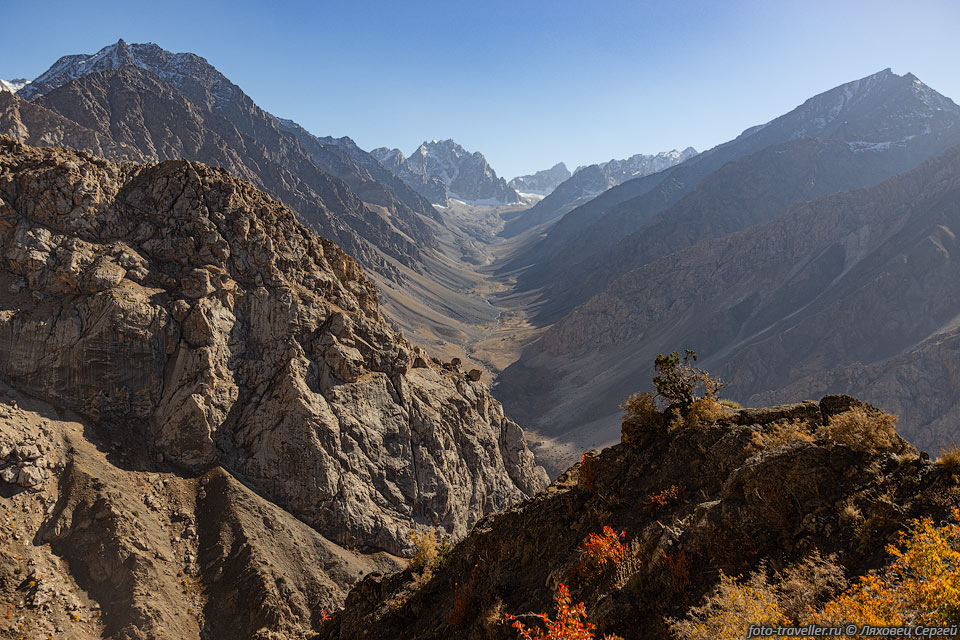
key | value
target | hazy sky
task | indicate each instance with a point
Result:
(528, 83)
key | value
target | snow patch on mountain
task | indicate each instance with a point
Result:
(13, 85)
(640, 165)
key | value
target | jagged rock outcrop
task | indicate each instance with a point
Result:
(181, 306)
(541, 182)
(693, 501)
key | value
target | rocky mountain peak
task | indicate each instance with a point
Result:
(466, 175)
(541, 182)
(187, 72)
(13, 85)
(638, 165)
(430, 187)
(880, 108)
(442, 168)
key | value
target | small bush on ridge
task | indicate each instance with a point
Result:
(426, 550)
(678, 381)
(862, 428)
(640, 415)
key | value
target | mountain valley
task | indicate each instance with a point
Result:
(257, 382)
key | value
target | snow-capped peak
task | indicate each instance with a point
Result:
(13, 85)
(640, 164)
(176, 68)
(877, 108)
(450, 171)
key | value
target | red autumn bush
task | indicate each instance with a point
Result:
(570, 624)
(600, 551)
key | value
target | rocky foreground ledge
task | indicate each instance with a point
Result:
(730, 490)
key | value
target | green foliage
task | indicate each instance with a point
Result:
(640, 415)
(678, 381)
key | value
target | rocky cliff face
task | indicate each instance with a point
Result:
(182, 309)
(100, 541)
(693, 501)
(35, 125)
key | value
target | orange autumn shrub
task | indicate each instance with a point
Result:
(570, 623)
(600, 551)
(664, 498)
(920, 587)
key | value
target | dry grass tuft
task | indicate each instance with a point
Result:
(796, 430)
(862, 428)
(703, 412)
(850, 514)
(950, 459)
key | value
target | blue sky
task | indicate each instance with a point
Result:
(527, 82)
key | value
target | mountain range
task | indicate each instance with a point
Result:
(586, 183)
(244, 385)
(442, 169)
(177, 105)
(670, 284)
(140, 102)
(892, 119)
